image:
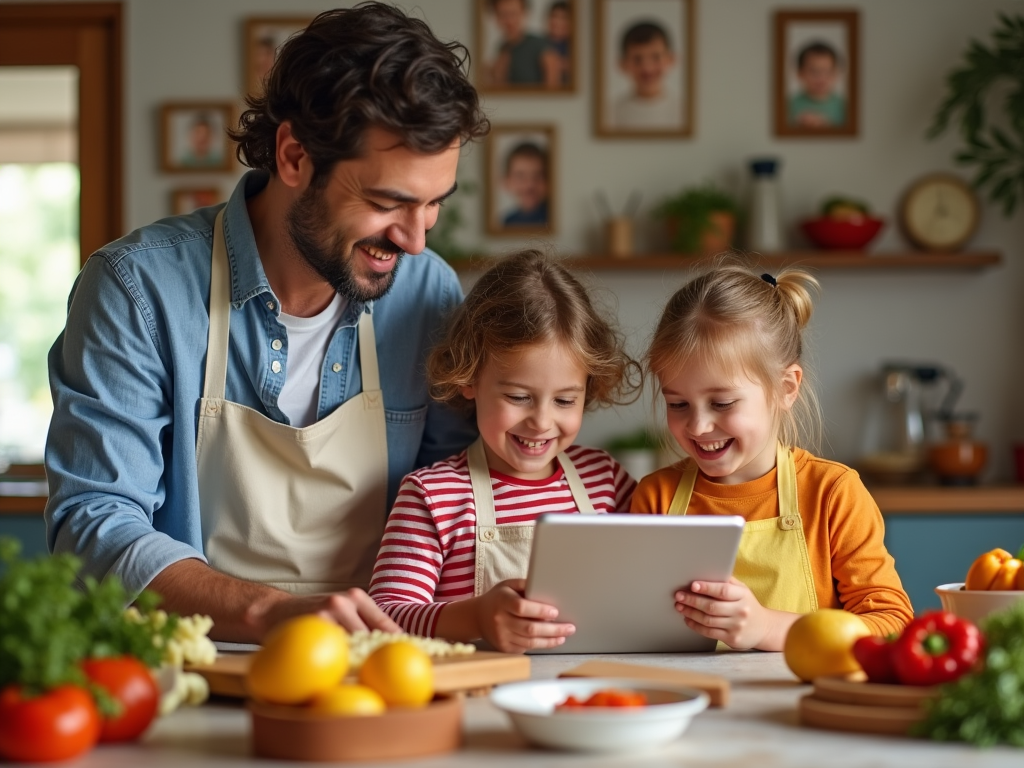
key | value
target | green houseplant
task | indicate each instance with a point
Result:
(699, 219)
(995, 146)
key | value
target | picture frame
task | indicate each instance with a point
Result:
(659, 99)
(520, 187)
(263, 38)
(187, 199)
(543, 60)
(194, 137)
(817, 73)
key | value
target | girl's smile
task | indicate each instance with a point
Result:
(725, 421)
(529, 408)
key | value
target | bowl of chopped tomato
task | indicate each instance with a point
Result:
(599, 714)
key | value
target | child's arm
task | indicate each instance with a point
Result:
(728, 611)
(408, 565)
(505, 619)
(862, 569)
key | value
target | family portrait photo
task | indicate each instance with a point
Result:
(520, 188)
(195, 138)
(816, 55)
(263, 38)
(645, 62)
(526, 45)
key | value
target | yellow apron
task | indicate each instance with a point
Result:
(298, 509)
(772, 559)
(503, 552)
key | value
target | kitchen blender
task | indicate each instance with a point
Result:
(898, 427)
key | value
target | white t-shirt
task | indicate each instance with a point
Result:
(308, 339)
(633, 113)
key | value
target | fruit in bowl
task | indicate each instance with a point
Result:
(844, 224)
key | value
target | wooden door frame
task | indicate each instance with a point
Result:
(88, 36)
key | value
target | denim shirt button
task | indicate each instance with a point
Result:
(336, 367)
(275, 366)
(270, 306)
(276, 344)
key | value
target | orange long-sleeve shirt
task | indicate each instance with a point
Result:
(842, 525)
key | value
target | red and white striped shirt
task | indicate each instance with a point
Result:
(428, 555)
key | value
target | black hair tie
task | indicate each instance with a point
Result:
(769, 279)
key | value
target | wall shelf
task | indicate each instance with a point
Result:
(924, 499)
(849, 260)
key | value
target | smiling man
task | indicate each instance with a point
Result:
(239, 391)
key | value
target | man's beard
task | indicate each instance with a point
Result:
(308, 226)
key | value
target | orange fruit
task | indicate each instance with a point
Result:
(348, 699)
(821, 643)
(300, 658)
(401, 673)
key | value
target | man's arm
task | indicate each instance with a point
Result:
(243, 611)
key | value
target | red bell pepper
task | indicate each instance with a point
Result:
(936, 648)
(874, 654)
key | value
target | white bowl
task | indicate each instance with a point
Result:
(531, 706)
(974, 605)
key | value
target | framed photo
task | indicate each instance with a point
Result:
(645, 68)
(187, 199)
(195, 137)
(526, 46)
(520, 180)
(816, 73)
(263, 38)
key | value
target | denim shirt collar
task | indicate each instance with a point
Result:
(248, 280)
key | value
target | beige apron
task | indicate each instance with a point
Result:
(772, 559)
(298, 509)
(503, 552)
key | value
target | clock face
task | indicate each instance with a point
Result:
(940, 213)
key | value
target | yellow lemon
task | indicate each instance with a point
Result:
(401, 673)
(821, 643)
(300, 658)
(348, 699)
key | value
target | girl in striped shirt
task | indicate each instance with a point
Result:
(527, 352)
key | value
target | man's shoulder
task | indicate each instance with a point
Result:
(168, 239)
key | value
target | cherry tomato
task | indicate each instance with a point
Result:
(129, 681)
(58, 725)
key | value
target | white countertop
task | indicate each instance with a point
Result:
(759, 728)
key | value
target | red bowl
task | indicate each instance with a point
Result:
(842, 234)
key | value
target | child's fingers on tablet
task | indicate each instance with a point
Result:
(720, 590)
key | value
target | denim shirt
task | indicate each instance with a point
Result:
(127, 375)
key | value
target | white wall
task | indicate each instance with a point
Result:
(191, 50)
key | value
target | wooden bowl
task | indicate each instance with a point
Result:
(294, 733)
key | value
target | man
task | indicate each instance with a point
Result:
(239, 391)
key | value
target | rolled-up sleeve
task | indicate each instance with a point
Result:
(108, 444)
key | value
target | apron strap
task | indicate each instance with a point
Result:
(786, 479)
(681, 498)
(368, 353)
(576, 487)
(483, 494)
(220, 316)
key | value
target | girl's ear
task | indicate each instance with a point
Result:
(468, 391)
(791, 379)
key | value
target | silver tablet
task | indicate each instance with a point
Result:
(613, 576)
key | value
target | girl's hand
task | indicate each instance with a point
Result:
(513, 624)
(728, 611)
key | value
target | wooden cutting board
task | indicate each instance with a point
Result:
(844, 705)
(483, 669)
(716, 687)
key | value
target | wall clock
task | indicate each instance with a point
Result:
(939, 212)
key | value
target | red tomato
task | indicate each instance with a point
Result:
(60, 724)
(129, 681)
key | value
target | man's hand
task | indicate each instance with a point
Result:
(354, 610)
(728, 611)
(513, 624)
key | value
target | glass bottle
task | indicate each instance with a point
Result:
(764, 230)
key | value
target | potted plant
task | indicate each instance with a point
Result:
(700, 220)
(998, 152)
